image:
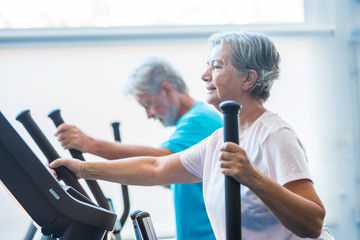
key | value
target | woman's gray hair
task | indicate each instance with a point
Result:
(148, 77)
(252, 51)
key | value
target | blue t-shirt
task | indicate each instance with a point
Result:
(192, 222)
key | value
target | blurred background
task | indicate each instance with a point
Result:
(77, 55)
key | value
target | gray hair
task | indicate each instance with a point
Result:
(148, 77)
(252, 51)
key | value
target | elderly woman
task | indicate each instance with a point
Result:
(277, 193)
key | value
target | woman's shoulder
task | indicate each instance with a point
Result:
(272, 122)
(271, 126)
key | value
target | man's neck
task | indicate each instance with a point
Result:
(185, 104)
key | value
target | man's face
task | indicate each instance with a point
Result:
(159, 107)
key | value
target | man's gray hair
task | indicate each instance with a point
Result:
(252, 51)
(148, 77)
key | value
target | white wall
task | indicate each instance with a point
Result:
(316, 94)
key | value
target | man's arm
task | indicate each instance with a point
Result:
(116, 150)
(146, 171)
(73, 138)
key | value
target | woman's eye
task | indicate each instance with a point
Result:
(216, 67)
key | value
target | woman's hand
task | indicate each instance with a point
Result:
(74, 165)
(234, 162)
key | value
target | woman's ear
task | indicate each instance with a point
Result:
(250, 79)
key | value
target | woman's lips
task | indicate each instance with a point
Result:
(211, 89)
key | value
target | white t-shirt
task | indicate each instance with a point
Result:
(275, 149)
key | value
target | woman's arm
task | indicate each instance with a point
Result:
(147, 171)
(296, 204)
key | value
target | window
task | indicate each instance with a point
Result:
(23, 14)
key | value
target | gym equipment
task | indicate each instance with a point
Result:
(94, 187)
(56, 117)
(135, 225)
(143, 227)
(60, 212)
(124, 188)
(116, 130)
(50, 153)
(92, 184)
(230, 110)
(146, 227)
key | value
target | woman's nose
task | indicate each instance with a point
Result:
(206, 75)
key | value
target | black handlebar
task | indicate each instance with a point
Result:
(94, 187)
(55, 116)
(230, 110)
(48, 150)
(116, 130)
(124, 188)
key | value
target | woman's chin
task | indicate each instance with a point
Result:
(212, 100)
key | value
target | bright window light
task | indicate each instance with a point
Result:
(19, 14)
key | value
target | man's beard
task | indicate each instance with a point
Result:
(169, 119)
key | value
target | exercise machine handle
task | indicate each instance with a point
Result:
(230, 110)
(135, 225)
(56, 117)
(116, 130)
(146, 226)
(124, 188)
(48, 150)
(94, 187)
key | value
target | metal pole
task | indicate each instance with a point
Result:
(124, 188)
(135, 225)
(230, 110)
(146, 226)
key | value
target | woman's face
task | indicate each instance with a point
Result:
(223, 80)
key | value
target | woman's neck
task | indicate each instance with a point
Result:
(249, 113)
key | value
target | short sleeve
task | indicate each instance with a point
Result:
(285, 157)
(193, 158)
(199, 157)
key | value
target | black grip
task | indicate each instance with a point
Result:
(116, 130)
(230, 110)
(55, 115)
(124, 188)
(94, 187)
(48, 150)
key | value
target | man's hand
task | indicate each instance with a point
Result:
(71, 137)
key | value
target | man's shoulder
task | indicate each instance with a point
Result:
(201, 109)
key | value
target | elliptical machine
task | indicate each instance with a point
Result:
(28, 122)
(60, 212)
